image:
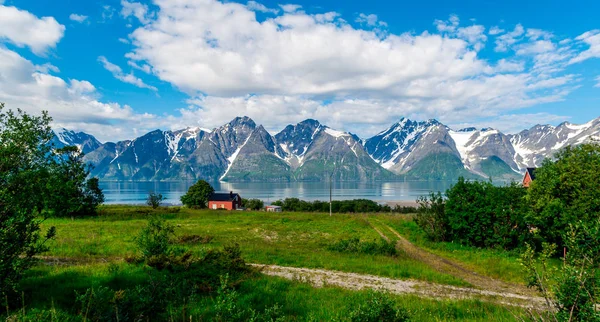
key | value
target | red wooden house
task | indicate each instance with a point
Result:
(229, 201)
(529, 176)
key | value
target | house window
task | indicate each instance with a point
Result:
(214, 206)
(222, 206)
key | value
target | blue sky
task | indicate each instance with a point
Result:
(119, 68)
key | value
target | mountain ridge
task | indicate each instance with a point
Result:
(241, 150)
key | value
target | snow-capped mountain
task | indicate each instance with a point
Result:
(477, 148)
(308, 151)
(541, 141)
(84, 142)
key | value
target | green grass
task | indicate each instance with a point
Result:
(496, 263)
(54, 288)
(287, 239)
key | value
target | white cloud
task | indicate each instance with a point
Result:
(591, 39)
(598, 80)
(290, 8)
(536, 47)
(124, 41)
(24, 29)
(535, 34)
(135, 9)
(78, 18)
(512, 123)
(447, 26)
(120, 75)
(47, 68)
(474, 35)
(370, 20)
(144, 67)
(107, 13)
(505, 41)
(299, 65)
(73, 104)
(255, 6)
(495, 30)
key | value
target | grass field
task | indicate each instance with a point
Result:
(49, 288)
(94, 249)
(287, 239)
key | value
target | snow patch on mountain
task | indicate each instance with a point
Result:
(232, 158)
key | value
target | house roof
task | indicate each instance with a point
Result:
(531, 172)
(223, 196)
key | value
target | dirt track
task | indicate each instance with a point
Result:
(450, 267)
(353, 281)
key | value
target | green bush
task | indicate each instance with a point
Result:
(378, 307)
(197, 195)
(572, 290)
(155, 239)
(354, 245)
(337, 206)
(154, 199)
(565, 191)
(253, 204)
(431, 217)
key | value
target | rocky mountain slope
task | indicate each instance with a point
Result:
(241, 150)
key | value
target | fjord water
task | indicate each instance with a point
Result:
(136, 192)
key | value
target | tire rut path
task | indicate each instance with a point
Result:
(453, 268)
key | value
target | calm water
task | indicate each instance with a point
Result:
(128, 192)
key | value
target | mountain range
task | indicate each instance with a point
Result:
(241, 150)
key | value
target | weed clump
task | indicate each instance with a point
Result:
(354, 245)
(378, 307)
(194, 239)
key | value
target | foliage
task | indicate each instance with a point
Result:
(476, 213)
(378, 307)
(354, 245)
(483, 215)
(253, 204)
(197, 195)
(565, 191)
(337, 206)
(155, 239)
(154, 199)
(228, 308)
(71, 193)
(572, 291)
(431, 216)
(25, 162)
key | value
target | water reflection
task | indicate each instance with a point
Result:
(132, 192)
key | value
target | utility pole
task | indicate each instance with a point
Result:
(330, 176)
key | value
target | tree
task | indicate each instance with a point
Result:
(72, 193)
(154, 199)
(36, 181)
(26, 158)
(197, 195)
(565, 191)
(253, 204)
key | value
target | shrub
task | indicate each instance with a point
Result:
(483, 215)
(154, 199)
(571, 291)
(197, 195)
(565, 191)
(228, 308)
(378, 307)
(253, 204)
(431, 217)
(194, 239)
(154, 239)
(354, 245)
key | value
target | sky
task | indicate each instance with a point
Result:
(118, 69)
